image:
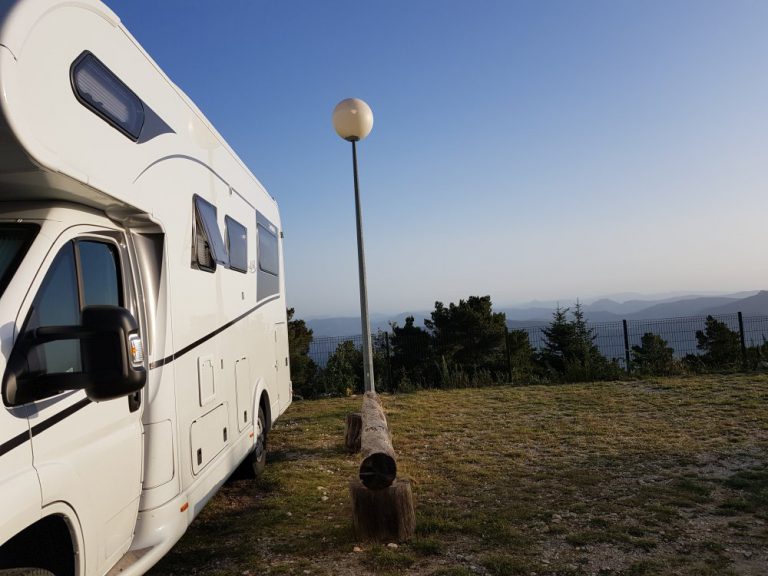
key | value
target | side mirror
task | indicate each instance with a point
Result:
(111, 357)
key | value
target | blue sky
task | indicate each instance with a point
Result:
(522, 149)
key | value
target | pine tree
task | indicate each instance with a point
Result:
(521, 355)
(653, 356)
(303, 368)
(412, 354)
(570, 352)
(469, 334)
(559, 337)
(721, 345)
(343, 373)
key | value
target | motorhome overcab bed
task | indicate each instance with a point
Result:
(143, 334)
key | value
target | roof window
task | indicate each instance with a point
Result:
(98, 89)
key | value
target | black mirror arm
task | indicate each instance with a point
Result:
(23, 388)
(60, 382)
(46, 334)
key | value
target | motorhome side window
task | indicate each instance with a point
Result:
(267, 279)
(93, 277)
(237, 245)
(268, 253)
(208, 248)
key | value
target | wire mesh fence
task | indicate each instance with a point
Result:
(407, 356)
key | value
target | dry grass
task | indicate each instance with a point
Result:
(666, 476)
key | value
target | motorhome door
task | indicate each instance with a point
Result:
(85, 451)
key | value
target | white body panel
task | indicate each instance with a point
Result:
(116, 476)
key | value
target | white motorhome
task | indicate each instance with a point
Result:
(143, 335)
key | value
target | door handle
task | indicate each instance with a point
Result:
(134, 401)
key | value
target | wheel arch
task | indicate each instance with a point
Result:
(53, 543)
(264, 403)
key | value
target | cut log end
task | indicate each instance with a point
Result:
(378, 471)
(383, 515)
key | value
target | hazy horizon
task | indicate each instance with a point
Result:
(620, 298)
(524, 150)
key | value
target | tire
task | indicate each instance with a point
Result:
(258, 456)
(26, 572)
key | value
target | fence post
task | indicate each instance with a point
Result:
(626, 345)
(389, 362)
(509, 356)
(743, 342)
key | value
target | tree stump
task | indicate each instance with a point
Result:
(383, 515)
(352, 432)
(379, 468)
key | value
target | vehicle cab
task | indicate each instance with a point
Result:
(73, 370)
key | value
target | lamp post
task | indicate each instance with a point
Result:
(353, 120)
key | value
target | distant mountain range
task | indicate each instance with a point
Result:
(350, 326)
(601, 310)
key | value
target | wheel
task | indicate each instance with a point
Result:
(258, 457)
(26, 572)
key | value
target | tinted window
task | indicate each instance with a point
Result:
(208, 233)
(237, 245)
(56, 304)
(14, 241)
(268, 253)
(100, 276)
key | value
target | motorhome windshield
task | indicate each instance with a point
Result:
(14, 242)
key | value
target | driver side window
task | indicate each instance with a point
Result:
(85, 272)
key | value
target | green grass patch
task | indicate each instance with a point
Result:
(383, 559)
(752, 488)
(453, 571)
(507, 477)
(426, 546)
(505, 565)
(647, 568)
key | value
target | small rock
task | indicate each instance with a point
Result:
(307, 572)
(288, 514)
(324, 498)
(392, 545)
(747, 554)
(357, 549)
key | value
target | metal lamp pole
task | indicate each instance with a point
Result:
(353, 120)
(365, 323)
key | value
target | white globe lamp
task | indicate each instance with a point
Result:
(353, 119)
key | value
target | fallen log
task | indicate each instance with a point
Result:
(385, 515)
(352, 432)
(379, 468)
